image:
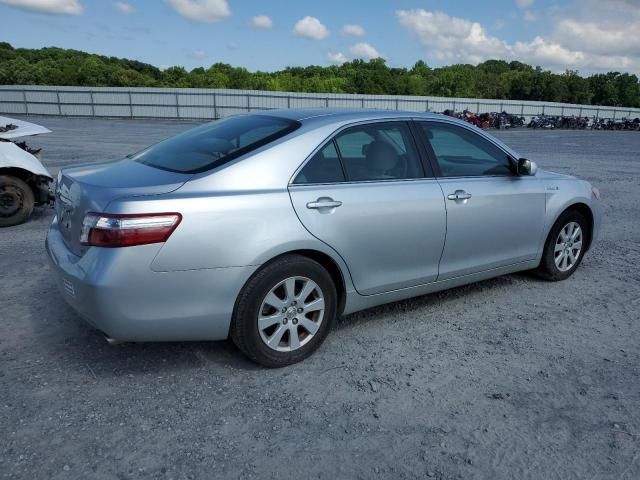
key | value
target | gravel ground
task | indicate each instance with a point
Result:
(510, 378)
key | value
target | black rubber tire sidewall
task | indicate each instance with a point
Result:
(548, 268)
(244, 328)
(24, 213)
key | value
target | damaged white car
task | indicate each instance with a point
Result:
(24, 181)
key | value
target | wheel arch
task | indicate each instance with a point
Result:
(328, 263)
(31, 179)
(334, 270)
(21, 173)
(584, 210)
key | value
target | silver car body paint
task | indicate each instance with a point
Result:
(389, 239)
(401, 251)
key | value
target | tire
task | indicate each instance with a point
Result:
(16, 201)
(271, 286)
(552, 267)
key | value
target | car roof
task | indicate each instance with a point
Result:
(314, 118)
(331, 115)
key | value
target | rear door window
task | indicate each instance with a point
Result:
(324, 167)
(379, 151)
(213, 144)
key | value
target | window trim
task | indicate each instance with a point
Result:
(332, 138)
(434, 161)
(339, 153)
(423, 151)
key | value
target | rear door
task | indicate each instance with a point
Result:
(365, 193)
(495, 218)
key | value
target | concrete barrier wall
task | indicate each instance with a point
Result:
(195, 103)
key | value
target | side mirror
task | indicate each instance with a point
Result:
(526, 167)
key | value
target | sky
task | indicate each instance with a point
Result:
(584, 35)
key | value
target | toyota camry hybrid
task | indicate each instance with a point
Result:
(266, 227)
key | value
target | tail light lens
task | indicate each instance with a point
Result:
(111, 230)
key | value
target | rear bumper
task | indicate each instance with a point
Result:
(116, 291)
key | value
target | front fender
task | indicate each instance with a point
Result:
(564, 193)
(12, 156)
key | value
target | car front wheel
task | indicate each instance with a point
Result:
(565, 246)
(16, 201)
(285, 311)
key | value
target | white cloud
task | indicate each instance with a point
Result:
(452, 39)
(586, 36)
(124, 8)
(592, 35)
(524, 3)
(364, 50)
(544, 52)
(310, 27)
(338, 58)
(601, 38)
(208, 11)
(355, 30)
(56, 7)
(529, 16)
(198, 54)
(262, 21)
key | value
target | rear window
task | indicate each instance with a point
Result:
(215, 143)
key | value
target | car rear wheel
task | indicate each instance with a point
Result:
(565, 246)
(285, 311)
(16, 201)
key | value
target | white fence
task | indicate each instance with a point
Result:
(194, 103)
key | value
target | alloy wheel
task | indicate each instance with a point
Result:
(291, 313)
(568, 246)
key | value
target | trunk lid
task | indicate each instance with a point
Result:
(91, 187)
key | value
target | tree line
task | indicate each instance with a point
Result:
(491, 79)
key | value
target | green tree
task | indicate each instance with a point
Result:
(490, 79)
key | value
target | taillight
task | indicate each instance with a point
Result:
(112, 230)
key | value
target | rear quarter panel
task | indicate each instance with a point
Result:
(228, 229)
(239, 214)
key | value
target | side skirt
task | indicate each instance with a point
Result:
(356, 302)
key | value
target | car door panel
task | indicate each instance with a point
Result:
(495, 218)
(390, 234)
(500, 224)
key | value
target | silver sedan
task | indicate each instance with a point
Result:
(266, 227)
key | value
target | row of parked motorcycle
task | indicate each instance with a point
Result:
(488, 120)
(582, 123)
(507, 120)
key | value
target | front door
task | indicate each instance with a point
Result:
(366, 195)
(495, 218)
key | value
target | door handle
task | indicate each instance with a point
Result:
(324, 202)
(459, 195)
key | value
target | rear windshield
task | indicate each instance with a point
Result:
(215, 143)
